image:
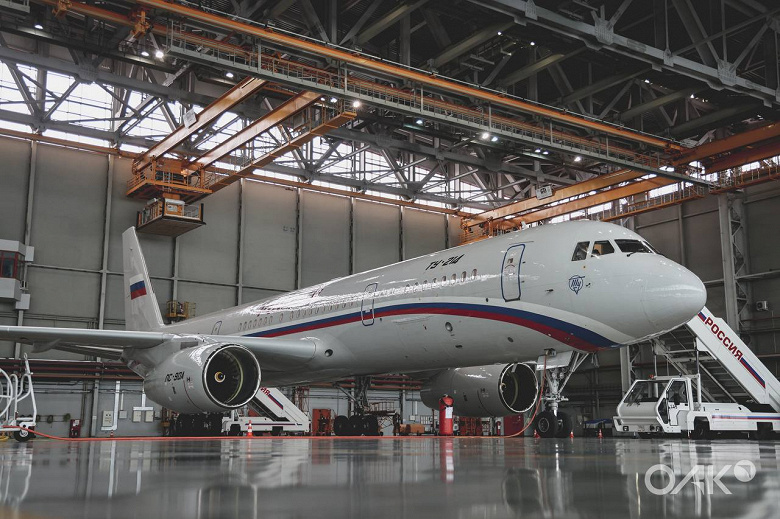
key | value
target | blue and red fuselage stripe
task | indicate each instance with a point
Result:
(562, 331)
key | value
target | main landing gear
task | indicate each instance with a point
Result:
(552, 423)
(361, 423)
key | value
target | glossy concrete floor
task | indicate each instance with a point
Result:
(377, 478)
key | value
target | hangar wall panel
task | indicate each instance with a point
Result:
(14, 181)
(423, 233)
(453, 231)
(69, 207)
(325, 237)
(209, 298)
(210, 253)
(376, 235)
(270, 236)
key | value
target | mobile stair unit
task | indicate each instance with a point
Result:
(15, 389)
(750, 395)
(277, 415)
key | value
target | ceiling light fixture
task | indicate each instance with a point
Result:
(577, 159)
(145, 54)
(159, 54)
(485, 136)
(356, 103)
(229, 75)
(418, 122)
(38, 26)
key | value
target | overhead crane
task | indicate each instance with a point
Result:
(172, 184)
(718, 156)
(497, 113)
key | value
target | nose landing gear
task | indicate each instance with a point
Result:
(553, 423)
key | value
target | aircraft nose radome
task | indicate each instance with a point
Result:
(673, 296)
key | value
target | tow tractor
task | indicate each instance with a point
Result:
(15, 389)
(666, 405)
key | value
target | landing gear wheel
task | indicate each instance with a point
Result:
(357, 425)
(22, 435)
(371, 425)
(341, 426)
(546, 424)
(565, 425)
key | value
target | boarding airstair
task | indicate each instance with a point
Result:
(275, 414)
(730, 371)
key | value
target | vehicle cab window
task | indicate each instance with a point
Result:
(600, 248)
(580, 251)
(632, 246)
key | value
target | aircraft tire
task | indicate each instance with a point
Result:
(546, 424)
(371, 425)
(341, 426)
(565, 425)
(357, 425)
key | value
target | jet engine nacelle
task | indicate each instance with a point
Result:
(495, 390)
(208, 378)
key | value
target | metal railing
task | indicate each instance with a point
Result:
(344, 82)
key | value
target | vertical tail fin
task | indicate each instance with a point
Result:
(141, 310)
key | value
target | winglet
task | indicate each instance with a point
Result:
(141, 310)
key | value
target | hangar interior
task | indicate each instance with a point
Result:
(419, 126)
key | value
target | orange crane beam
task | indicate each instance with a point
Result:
(746, 156)
(600, 182)
(422, 78)
(211, 113)
(608, 195)
(734, 142)
(293, 144)
(262, 125)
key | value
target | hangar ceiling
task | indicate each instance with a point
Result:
(466, 105)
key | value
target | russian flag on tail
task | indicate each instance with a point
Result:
(137, 289)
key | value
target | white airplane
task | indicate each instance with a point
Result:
(469, 321)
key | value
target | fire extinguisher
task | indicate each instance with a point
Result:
(445, 416)
(498, 427)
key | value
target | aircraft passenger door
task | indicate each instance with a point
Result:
(510, 272)
(367, 305)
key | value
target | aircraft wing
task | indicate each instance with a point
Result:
(110, 343)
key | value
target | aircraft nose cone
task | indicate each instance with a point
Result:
(672, 296)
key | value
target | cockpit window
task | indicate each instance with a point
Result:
(632, 246)
(580, 251)
(652, 248)
(602, 247)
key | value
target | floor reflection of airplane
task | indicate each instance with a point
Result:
(568, 289)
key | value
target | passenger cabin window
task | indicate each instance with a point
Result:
(632, 246)
(602, 247)
(580, 251)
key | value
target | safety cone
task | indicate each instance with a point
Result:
(249, 430)
(601, 436)
(536, 434)
(111, 435)
(571, 435)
